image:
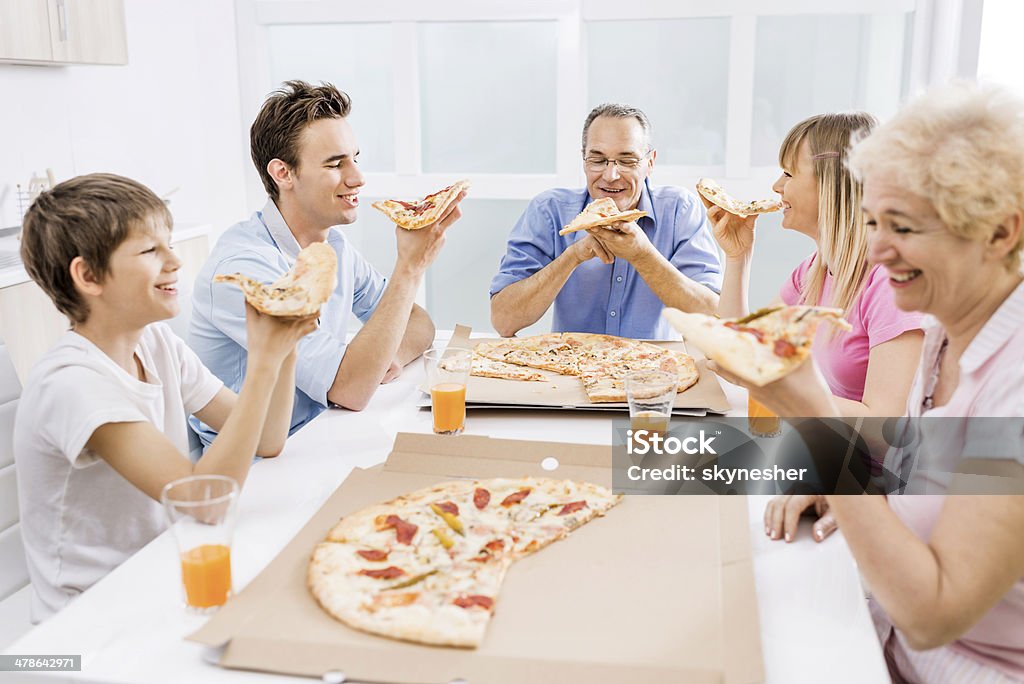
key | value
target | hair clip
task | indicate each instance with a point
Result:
(825, 155)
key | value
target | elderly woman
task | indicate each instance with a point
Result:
(943, 198)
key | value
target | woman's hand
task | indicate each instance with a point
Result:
(734, 234)
(782, 516)
(803, 393)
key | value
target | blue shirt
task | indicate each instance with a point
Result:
(264, 248)
(612, 298)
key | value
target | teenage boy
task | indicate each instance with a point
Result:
(306, 154)
(101, 425)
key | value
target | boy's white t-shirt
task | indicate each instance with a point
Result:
(79, 518)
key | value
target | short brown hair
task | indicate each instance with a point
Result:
(88, 216)
(286, 113)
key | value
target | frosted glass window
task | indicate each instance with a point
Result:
(806, 65)
(357, 58)
(676, 71)
(487, 96)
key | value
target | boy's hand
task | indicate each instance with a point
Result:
(273, 338)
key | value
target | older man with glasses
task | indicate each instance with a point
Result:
(615, 279)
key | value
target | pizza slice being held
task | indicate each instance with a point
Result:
(299, 292)
(602, 212)
(714, 193)
(762, 347)
(421, 212)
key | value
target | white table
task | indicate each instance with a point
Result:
(129, 627)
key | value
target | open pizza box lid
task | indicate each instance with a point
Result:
(566, 392)
(659, 590)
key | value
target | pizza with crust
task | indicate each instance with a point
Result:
(419, 213)
(762, 347)
(601, 362)
(428, 566)
(714, 193)
(299, 292)
(602, 212)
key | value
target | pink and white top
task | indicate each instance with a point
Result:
(991, 385)
(843, 356)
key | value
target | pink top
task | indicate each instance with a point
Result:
(843, 357)
(991, 385)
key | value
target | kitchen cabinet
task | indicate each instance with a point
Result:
(30, 324)
(63, 32)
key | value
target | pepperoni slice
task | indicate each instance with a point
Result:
(373, 554)
(572, 507)
(742, 328)
(449, 507)
(481, 497)
(496, 545)
(513, 499)
(390, 572)
(474, 601)
(404, 531)
(784, 349)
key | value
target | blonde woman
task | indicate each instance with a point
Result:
(868, 369)
(944, 199)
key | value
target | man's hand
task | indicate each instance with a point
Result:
(624, 240)
(782, 516)
(393, 371)
(589, 248)
(417, 249)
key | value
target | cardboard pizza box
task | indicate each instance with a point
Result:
(659, 590)
(566, 392)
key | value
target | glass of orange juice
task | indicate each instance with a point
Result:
(201, 510)
(650, 395)
(447, 376)
(761, 421)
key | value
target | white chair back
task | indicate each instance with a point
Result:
(13, 571)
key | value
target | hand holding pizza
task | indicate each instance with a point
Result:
(801, 393)
(734, 234)
(417, 249)
(589, 248)
(271, 339)
(624, 240)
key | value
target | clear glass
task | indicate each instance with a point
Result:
(488, 86)
(761, 421)
(812, 64)
(650, 395)
(447, 372)
(679, 82)
(357, 58)
(201, 510)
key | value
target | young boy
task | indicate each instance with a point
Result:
(101, 426)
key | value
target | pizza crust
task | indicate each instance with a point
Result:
(421, 213)
(299, 292)
(714, 193)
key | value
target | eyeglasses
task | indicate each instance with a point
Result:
(626, 164)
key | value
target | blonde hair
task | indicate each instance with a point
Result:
(842, 237)
(961, 147)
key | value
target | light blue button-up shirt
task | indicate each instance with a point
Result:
(612, 298)
(264, 248)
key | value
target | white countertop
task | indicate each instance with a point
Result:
(15, 274)
(130, 627)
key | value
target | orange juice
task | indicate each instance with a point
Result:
(449, 407)
(206, 572)
(652, 421)
(762, 422)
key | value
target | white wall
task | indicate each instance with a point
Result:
(999, 57)
(171, 118)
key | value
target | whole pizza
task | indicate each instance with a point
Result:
(428, 566)
(601, 362)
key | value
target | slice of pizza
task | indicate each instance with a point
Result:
(299, 292)
(713, 192)
(761, 347)
(428, 566)
(602, 212)
(544, 352)
(604, 367)
(420, 213)
(484, 367)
